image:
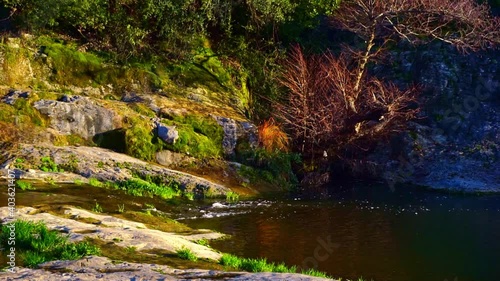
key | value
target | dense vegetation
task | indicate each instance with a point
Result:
(275, 56)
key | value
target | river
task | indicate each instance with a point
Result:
(406, 234)
(368, 231)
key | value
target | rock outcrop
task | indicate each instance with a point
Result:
(103, 164)
(77, 115)
(455, 143)
(235, 131)
(100, 268)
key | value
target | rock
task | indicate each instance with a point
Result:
(100, 268)
(11, 97)
(168, 134)
(454, 144)
(77, 115)
(109, 228)
(101, 163)
(67, 98)
(131, 97)
(169, 158)
(235, 131)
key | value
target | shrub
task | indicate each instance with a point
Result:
(271, 137)
(274, 167)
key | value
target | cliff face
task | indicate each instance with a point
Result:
(455, 142)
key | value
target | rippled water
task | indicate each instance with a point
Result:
(406, 235)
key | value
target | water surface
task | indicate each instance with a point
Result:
(405, 235)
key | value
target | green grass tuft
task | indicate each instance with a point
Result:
(255, 265)
(97, 208)
(47, 164)
(315, 273)
(24, 185)
(36, 244)
(232, 197)
(95, 182)
(140, 187)
(186, 254)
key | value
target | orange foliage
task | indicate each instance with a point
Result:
(271, 137)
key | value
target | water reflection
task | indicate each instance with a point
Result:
(405, 236)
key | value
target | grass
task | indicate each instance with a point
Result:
(232, 197)
(186, 254)
(97, 208)
(36, 244)
(255, 265)
(189, 196)
(47, 164)
(24, 185)
(140, 187)
(203, 242)
(78, 182)
(121, 208)
(315, 273)
(95, 182)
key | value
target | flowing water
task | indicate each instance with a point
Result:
(367, 231)
(370, 232)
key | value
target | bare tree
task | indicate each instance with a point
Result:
(463, 23)
(334, 105)
(317, 112)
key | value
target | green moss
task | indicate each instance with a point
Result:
(70, 66)
(199, 137)
(139, 139)
(22, 112)
(142, 109)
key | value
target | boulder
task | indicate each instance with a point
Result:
(169, 158)
(77, 115)
(235, 131)
(168, 134)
